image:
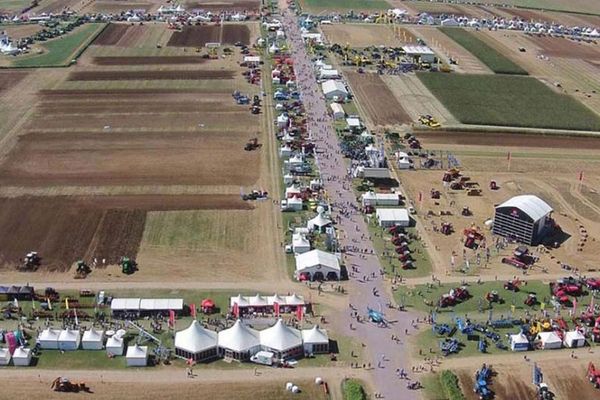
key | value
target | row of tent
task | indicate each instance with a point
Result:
(547, 340)
(240, 342)
(265, 301)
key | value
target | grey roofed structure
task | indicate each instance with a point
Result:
(524, 218)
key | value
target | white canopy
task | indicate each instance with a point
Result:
(115, 346)
(549, 340)
(239, 338)
(317, 258)
(318, 222)
(574, 339)
(69, 339)
(239, 299)
(300, 244)
(531, 205)
(137, 356)
(22, 356)
(48, 338)
(276, 299)
(257, 301)
(315, 335)
(161, 304)
(519, 342)
(195, 338)
(4, 356)
(92, 339)
(294, 300)
(280, 337)
(122, 304)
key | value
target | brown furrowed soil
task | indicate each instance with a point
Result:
(109, 61)
(9, 79)
(225, 5)
(111, 35)
(559, 47)
(149, 75)
(198, 36)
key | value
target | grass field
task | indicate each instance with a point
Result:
(503, 100)
(487, 55)
(343, 5)
(61, 51)
(578, 6)
(14, 5)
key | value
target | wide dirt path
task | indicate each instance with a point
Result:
(386, 355)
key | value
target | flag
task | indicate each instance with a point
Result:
(193, 310)
(16, 303)
(574, 305)
(171, 318)
(299, 311)
(276, 309)
(591, 306)
(32, 304)
(580, 176)
(542, 306)
(236, 310)
(76, 319)
(49, 304)
(67, 303)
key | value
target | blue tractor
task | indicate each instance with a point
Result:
(449, 346)
(482, 378)
(377, 317)
(442, 329)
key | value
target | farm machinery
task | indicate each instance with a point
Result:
(62, 384)
(493, 297)
(447, 228)
(449, 346)
(128, 266)
(542, 390)
(482, 377)
(530, 300)
(255, 195)
(520, 258)
(593, 375)
(429, 121)
(30, 262)
(513, 285)
(82, 270)
(562, 290)
(443, 329)
(252, 144)
(454, 297)
(473, 237)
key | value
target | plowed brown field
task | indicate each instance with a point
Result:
(377, 99)
(111, 35)
(149, 75)
(148, 60)
(508, 139)
(229, 5)
(198, 36)
(558, 47)
(9, 79)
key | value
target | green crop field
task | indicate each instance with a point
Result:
(504, 100)
(343, 5)
(61, 51)
(14, 5)
(487, 55)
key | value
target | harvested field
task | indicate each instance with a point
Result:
(364, 35)
(229, 5)
(198, 36)
(320, 6)
(149, 75)
(20, 31)
(56, 6)
(136, 158)
(565, 48)
(111, 35)
(137, 107)
(118, 93)
(526, 15)
(508, 101)
(377, 99)
(507, 139)
(9, 79)
(115, 7)
(157, 60)
(438, 8)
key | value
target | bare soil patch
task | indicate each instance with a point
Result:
(231, 5)
(56, 6)
(115, 7)
(364, 35)
(8, 79)
(20, 31)
(526, 15)
(236, 33)
(495, 139)
(198, 36)
(191, 158)
(559, 47)
(141, 107)
(149, 75)
(110, 61)
(377, 99)
(111, 35)
(148, 94)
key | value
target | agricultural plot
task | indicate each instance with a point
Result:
(55, 6)
(320, 6)
(10, 6)
(579, 6)
(62, 51)
(115, 6)
(565, 48)
(378, 101)
(365, 35)
(198, 36)
(128, 37)
(152, 60)
(228, 5)
(9, 79)
(490, 57)
(508, 101)
(19, 31)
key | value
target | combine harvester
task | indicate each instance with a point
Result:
(482, 378)
(593, 375)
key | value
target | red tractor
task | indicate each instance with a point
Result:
(400, 240)
(531, 300)
(593, 283)
(447, 300)
(447, 228)
(593, 375)
(513, 285)
(473, 237)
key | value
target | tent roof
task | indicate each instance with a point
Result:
(114, 342)
(195, 338)
(519, 338)
(392, 214)
(317, 257)
(161, 304)
(549, 337)
(531, 205)
(276, 299)
(69, 335)
(280, 337)
(299, 240)
(239, 299)
(294, 300)
(332, 86)
(125, 304)
(137, 351)
(93, 335)
(49, 334)
(257, 300)
(239, 337)
(318, 221)
(315, 335)
(21, 352)
(4, 353)
(574, 335)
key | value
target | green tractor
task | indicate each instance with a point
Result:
(82, 269)
(128, 265)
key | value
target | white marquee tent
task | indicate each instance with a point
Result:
(115, 346)
(137, 356)
(69, 339)
(574, 339)
(48, 338)
(519, 342)
(22, 357)
(281, 340)
(4, 356)
(318, 264)
(549, 340)
(319, 222)
(196, 342)
(92, 340)
(239, 342)
(300, 244)
(315, 340)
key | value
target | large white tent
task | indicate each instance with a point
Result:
(239, 342)
(315, 340)
(4, 356)
(519, 342)
(69, 339)
(196, 342)
(137, 356)
(300, 244)
(574, 339)
(282, 340)
(115, 346)
(22, 357)
(48, 338)
(317, 265)
(92, 340)
(549, 340)
(319, 222)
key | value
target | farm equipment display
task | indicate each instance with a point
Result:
(82, 269)
(443, 329)
(455, 296)
(512, 285)
(592, 283)
(435, 194)
(493, 297)
(30, 262)
(429, 121)
(449, 346)
(561, 291)
(447, 228)
(520, 258)
(473, 237)
(593, 375)
(255, 195)
(62, 384)
(128, 266)
(252, 144)
(531, 300)
(482, 377)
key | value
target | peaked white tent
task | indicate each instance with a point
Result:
(574, 339)
(300, 244)
(4, 356)
(319, 222)
(239, 300)
(69, 339)
(294, 300)
(92, 340)
(315, 340)
(258, 301)
(137, 356)
(239, 342)
(196, 342)
(519, 342)
(22, 357)
(48, 338)
(549, 340)
(115, 346)
(282, 340)
(317, 265)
